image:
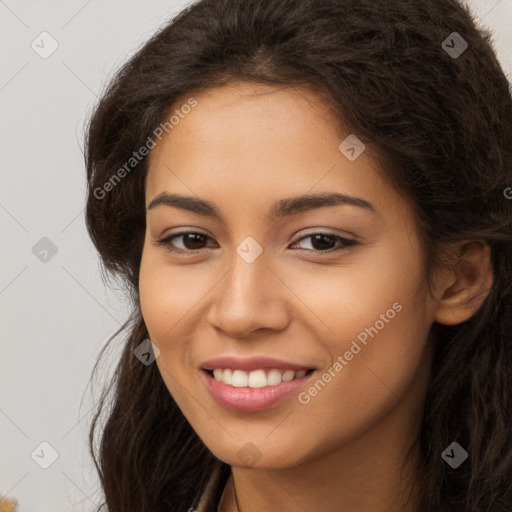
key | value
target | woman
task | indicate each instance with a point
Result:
(307, 202)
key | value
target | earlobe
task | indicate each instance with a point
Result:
(466, 285)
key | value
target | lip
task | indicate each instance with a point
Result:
(252, 399)
(252, 363)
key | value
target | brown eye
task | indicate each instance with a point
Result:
(324, 242)
(191, 241)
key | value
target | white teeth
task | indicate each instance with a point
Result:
(273, 377)
(288, 375)
(239, 379)
(255, 378)
(227, 376)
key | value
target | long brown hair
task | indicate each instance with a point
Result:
(438, 114)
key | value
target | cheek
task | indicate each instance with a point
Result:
(350, 296)
(171, 300)
(364, 384)
(168, 292)
(375, 317)
(153, 300)
(162, 306)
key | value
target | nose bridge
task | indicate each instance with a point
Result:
(248, 298)
(249, 271)
(247, 276)
(245, 284)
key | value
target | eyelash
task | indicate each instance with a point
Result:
(346, 243)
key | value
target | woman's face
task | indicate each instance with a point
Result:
(332, 286)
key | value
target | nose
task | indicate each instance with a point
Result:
(249, 298)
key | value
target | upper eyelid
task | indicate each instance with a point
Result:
(305, 235)
(168, 238)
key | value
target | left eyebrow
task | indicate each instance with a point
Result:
(298, 204)
(281, 208)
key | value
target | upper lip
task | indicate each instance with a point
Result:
(252, 363)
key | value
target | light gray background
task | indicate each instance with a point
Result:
(56, 315)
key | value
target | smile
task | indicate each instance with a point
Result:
(253, 384)
(257, 378)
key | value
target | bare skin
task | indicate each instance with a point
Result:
(244, 147)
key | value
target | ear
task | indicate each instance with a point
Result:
(463, 288)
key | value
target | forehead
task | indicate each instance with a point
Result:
(255, 142)
(251, 114)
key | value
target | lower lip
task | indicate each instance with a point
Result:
(252, 399)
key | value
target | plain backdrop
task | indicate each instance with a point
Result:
(56, 312)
